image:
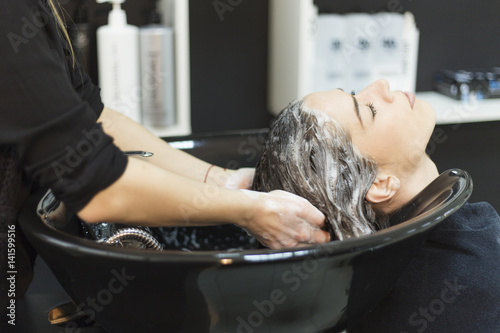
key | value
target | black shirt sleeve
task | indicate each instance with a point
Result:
(49, 110)
(84, 87)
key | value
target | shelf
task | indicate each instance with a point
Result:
(450, 111)
(175, 130)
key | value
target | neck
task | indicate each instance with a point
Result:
(412, 183)
(423, 176)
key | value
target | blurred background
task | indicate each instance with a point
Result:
(229, 67)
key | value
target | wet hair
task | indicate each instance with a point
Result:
(309, 154)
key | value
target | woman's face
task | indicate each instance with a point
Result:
(391, 127)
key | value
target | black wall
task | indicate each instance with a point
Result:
(475, 148)
(229, 65)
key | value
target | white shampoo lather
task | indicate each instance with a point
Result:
(118, 63)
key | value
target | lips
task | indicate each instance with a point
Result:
(411, 98)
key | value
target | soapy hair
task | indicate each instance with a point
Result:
(309, 154)
(62, 27)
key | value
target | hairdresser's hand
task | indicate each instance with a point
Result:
(240, 179)
(281, 219)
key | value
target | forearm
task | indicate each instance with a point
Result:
(169, 190)
(149, 195)
(129, 135)
(152, 196)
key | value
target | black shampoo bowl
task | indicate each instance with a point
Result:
(324, 288)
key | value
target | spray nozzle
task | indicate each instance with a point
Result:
(117, 15)
(117, 4)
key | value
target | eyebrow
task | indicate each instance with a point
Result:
(356, 109)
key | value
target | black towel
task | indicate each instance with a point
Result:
(452, 284)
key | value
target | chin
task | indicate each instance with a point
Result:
(426, 111)
(432, 112)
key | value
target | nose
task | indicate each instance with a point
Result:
(381, 89)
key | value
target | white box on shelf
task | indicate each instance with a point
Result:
(331, 63)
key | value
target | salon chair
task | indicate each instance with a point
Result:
(320, 288)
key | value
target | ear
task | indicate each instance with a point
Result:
(383, 188)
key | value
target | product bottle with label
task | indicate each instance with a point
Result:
(157, 73)
(118, 63)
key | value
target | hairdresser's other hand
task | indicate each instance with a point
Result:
(240, 179)
(281, 219)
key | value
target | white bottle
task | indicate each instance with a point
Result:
(118, 63)
(157, 73)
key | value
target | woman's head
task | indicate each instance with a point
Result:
(309, 154)
(390, 127)
(350, 155)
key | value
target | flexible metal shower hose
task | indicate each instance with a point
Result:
(136, 234)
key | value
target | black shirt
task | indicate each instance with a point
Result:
(452, 284)
(49, 108)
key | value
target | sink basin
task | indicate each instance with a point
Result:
(322, 288)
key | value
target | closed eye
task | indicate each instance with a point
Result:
(372, 109)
